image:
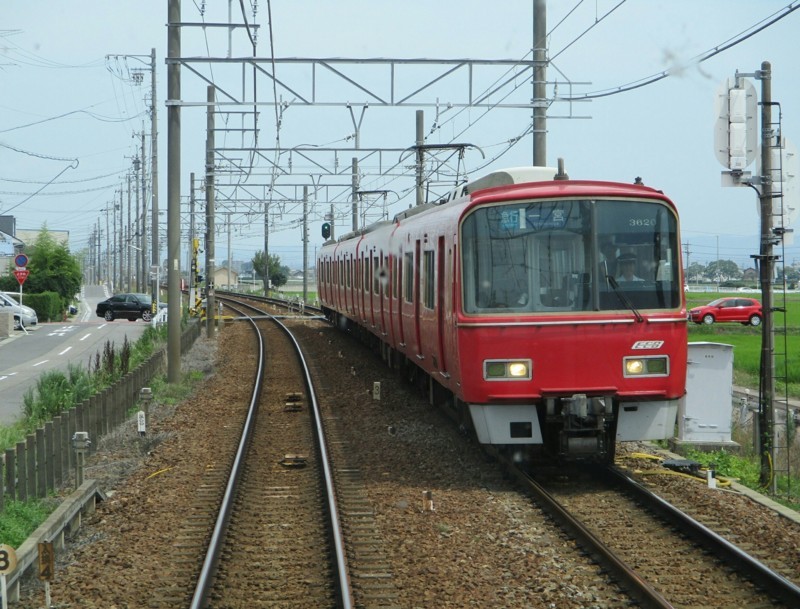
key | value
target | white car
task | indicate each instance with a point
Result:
(23, 316)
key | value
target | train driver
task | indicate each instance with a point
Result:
(608, 255)
(626, 267)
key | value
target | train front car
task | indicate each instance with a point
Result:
(572, 329)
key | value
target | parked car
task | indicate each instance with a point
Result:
(23, 316)
(127, 306)
(746, 311)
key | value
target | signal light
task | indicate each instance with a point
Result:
(326, 230)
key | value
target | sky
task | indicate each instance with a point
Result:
(72, 113)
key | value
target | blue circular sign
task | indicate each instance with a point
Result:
(20, 260)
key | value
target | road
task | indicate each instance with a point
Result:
(56, 345)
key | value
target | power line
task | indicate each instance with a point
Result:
(730, 43)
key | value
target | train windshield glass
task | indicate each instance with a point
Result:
(570, 255)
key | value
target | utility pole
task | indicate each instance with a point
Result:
(686, 255)
(122, 248)
(143, 252)
(540, 83)
(174, 193)
(114, 244)
(99, 244)
(128, 238)
(154, 261)
(137, 163)
(109, 277)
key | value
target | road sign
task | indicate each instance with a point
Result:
(21, 275)
(21, 260)
(47, 561)
(8, 559)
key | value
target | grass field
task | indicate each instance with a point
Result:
(746, 340)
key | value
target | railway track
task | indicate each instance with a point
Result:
(275, 538)
(657, 553)
(691, 566)
(294, 505)
(425, 518)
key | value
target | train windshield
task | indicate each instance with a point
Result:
(570, 255)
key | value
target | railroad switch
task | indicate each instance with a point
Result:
(295, 461)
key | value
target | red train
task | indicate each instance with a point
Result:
(545, 311)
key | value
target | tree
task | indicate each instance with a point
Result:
(695, 271)
(275, 272)
(792, 276)
(52, 269)
(723, 270)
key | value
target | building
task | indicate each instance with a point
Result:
(225, 279)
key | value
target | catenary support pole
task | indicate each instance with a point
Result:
(211, 305)
(174, 194)
(540, 83)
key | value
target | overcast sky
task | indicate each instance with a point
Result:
(71, 114)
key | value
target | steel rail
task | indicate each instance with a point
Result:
(777, 586)
(346, 600)
(647, 596)
(211, 561)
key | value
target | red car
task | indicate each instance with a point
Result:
(746, 311)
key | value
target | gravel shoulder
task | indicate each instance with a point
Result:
(483, 544)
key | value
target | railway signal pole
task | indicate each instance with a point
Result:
(735, 145)
(767, 264)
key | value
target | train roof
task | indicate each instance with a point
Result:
(518, 177)
(502, 177)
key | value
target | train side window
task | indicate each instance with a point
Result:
(408, 275)
(376, 275)
(428, 291)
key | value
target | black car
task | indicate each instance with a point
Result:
(127, 306)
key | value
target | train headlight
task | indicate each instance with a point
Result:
(657, 365)
(503, 370)
(634, 367)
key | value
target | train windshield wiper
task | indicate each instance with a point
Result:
(623, 298)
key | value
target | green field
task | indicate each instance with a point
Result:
(746, 340)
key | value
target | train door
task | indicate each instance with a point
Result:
(441, 304)
(342, 297)
(323, 283)
(391, 294)
(374, 289)
(380, 290)
(362, 268)
(402, 272)
(348, 268)
(416, 300)
(369, 319)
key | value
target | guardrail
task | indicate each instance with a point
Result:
(45, 460)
